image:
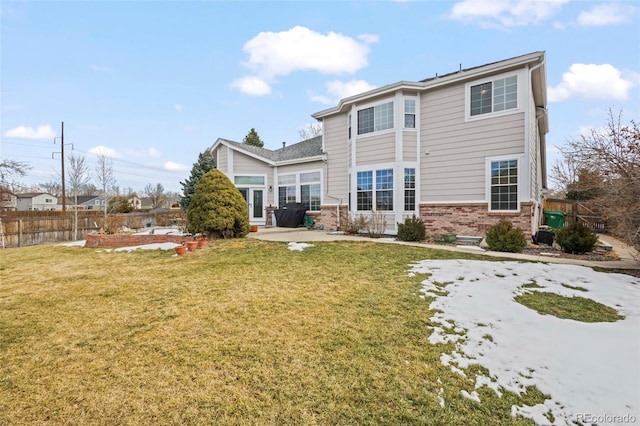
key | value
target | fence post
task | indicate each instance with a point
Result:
(19, 232)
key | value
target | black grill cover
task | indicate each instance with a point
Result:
(290, 215)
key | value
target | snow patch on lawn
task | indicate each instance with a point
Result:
(298, 246)
(154, 246)
(79, 243)
(586, 368)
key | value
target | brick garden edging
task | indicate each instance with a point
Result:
(125, 240)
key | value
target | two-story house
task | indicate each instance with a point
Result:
(37, 201)
(461, 151)
(86, 202)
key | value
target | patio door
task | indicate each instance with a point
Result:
(255, 203)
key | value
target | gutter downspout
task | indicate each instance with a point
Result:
(536, 214)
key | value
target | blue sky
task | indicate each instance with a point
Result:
(152, 84)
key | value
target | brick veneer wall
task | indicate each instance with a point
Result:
(328, 216)
(126, 240)
(473, 219)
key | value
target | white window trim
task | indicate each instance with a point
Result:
(415, 113)
(520, 97)
(356, 135)
(487, 165)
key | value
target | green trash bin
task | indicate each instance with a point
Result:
(554, 219)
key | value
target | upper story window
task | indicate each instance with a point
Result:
(410, 113)
(494, 96)
(375, 118)
(48, 200)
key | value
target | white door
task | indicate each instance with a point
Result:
(255, 203)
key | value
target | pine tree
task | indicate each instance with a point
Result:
(217, 208)
(252, 138)
(200, 168)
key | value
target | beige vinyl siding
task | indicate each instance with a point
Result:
(246, 165)
(302, 167)
(409, 146)
(376, 149)
(221, 162)
(336, 145)
(454, 169)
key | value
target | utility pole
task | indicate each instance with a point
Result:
(64, 194)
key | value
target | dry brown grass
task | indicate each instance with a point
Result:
(241, 332)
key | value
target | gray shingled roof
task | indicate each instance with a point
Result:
(304, 149)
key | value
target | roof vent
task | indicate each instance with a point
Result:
(284, 144)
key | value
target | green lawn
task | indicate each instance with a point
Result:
(241, 332)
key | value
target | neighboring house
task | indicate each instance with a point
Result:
(86, 202)
(37, 201)
(461, 151)
(135, 202)
(8, 200)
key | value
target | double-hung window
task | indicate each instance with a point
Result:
(504, 185)
(375, 118)
(374, 188)
(409, 113)
(286, 189)
(409, 189)
(494, 96)
(310, 190)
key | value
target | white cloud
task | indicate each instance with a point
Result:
(349, 88)
(274, 54)
(174, 167)
(101, 150)
(149, 152)
(177, 107)
(591, 81)
(341, 89)
(607, 14)
(23, 132)
(251, 85)
(507, 13)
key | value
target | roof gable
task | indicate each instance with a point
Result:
(309, 148)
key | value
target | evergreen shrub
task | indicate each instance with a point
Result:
(576, 238)
(504, 237)
(412, 229)
(217, 208)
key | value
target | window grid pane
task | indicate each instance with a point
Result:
(409, 189)
(383, 116)
(365, 121)
(504, 188)
(384, 189)
(286, 194)
(364, 195)
(481, 99)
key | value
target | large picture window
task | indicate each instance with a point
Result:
(302, 188)
(374, 189)
(375, 118)
(504, 185)
(494, 96)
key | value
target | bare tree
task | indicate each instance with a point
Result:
(53, 187)
(10, 169)
(106, 181)
(311, 130)
(77, 177)
(156, 195)
(613, 155)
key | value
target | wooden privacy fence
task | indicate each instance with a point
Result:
(576, 211)
(39, 227)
